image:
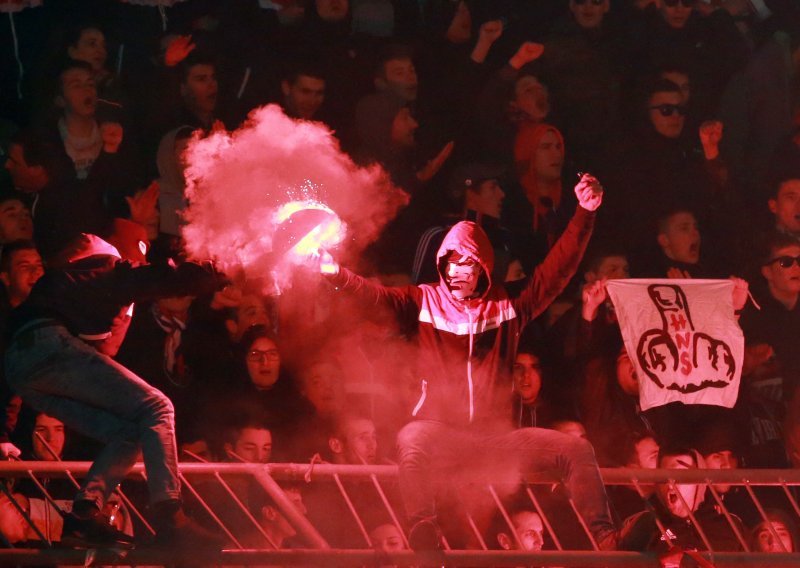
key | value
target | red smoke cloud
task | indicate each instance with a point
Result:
(237, 181)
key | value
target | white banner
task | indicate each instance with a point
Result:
(683, 339)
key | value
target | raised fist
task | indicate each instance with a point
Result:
(677, 349)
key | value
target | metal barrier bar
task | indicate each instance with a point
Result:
(208, 510)
(475, 530)
(241, 505)
(505, 514)
(763, 514)
(700, 531)
(389, 508)
(790, 498)
(24, 513)
(728, 517)
(37, 557)
(118, 490)
(582, 521)
(352, 509)
(649, 508)
(295, 472)
(295, 517)
(545, 522)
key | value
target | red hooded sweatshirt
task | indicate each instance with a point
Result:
(467, 347)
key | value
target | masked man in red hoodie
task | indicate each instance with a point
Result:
(467, 328)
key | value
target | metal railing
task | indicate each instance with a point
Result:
(317, 552)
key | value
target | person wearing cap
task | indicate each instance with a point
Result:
(58, 361)
(476, 187)
(466, 328)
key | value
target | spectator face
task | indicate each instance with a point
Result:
(460, 29)
(274, 521)
(304, 96)
(682, 80)
(766, 542)
(531, 97)
(28, 179)
(786, 206)
(200, 89)
(487, 200)
(666, 113)
(263, 363)
(403, 128)
(360, 443)
(611, 267)
(251, 311)
(51, 430)
(676, 12)
(91, 48)
(78, 93)
(670, 496)
(724, 459)
(332, 10)
(385, 539)
(254, 445)
(400, 77)
(26, 268)
(529, 529)
(626, 375)
(588, 13)
(323, 386)
(783, 280)
(549, 157)
(681, 239)
(527, 377)
(647, 453)
(15, 221)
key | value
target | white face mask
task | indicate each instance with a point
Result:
(462, 277)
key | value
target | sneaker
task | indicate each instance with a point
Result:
(94, 531)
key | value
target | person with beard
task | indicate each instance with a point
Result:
(466, 329)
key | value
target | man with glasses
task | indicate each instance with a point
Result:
(771, 333)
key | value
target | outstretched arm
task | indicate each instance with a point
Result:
(554, 273)
(370, 293)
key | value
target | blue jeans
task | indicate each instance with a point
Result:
(60, 375)
(425, 446)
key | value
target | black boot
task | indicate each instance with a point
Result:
(87, 527)
(175, 529)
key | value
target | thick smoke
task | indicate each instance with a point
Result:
(236, 182)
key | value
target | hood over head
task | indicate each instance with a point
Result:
(467, 238)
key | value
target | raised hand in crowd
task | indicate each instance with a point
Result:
(178, 49)
(593, 295)
(589, 192)
(143, 205)
(527, 52)
(489, 33)
(434, 165)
